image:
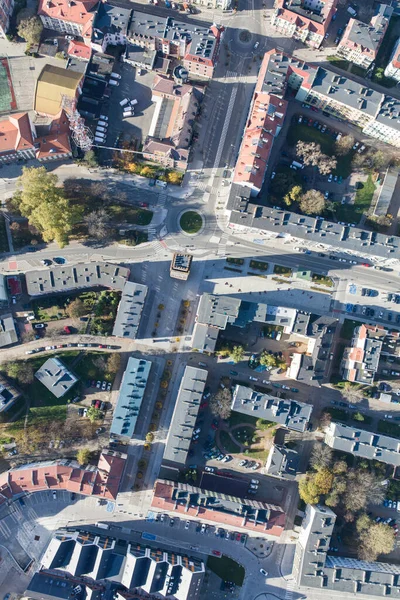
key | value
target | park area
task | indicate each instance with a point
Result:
(248, 436)
(191, 222)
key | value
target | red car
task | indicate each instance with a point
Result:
(216, 553)
(204, 405)
(67, 330)
(366, 265)
(238, 536)
(97, 404)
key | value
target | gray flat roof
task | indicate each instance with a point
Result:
(130, 310)
(8, 394)
(217, 311)
(42, 585)
(70, 277)
(130, 397)
(110, 19)
(204, 337)
(8, 334)
(366, 444)
(143, 56)
(56, 377)
(289, 413)
(285, 223)
(147, 26)
(185, 414)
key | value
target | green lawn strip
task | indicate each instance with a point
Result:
(258, 264)
(327, 143)
(227, 569)
(3, 236)
(340, 63)
(361, 418)
(227, 443)
(352, 213)
(86, 367)
(191, 221)
(237, 418)
(257, 453)
(322, 280)
(129, 214)
(263, 424)
(235, 261)
(284, 271)
(337, 413)
(391, 429)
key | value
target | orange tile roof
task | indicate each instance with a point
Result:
(57, 140)
(15, 133)
(74, 11)
(79, 49)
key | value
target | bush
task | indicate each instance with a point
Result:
(149, 437)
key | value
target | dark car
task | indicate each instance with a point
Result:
(343, 404)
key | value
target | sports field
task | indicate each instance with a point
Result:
(7, 96)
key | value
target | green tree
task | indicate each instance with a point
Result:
(21, 371)
(221, 402)
(268, 360)
(90, 159)
(94, 414)
(376, 539)
(293, 195)
(83, 456)
(76, 309)
(308, 490)
(363, 523)
(237, 354)
(44, 204)
(114, 363)
(344, 145)
(149, 437)
(30, 30)
(312, 203)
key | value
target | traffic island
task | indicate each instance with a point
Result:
(191, 222)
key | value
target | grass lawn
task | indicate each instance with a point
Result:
(130, 214)
(391, 429)
(134, 238)
(322, 280)
(285, 271)
(227, 569)
(312, 134)
(348, 328)
(91, 366)
(263, 424)
(244, 434)
(340, 63)
(191, 221)
(337, 413)
(352, 213)
(236, 418)
(258, 264)
(3, 235)
(228, 444)
(259, 453)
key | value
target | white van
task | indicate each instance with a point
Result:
(124, 102)
(352, 11)
(102, 123)
(128, 113)
(115, 75)
(100, 140)
(133, 102)
(113, 82)
(101, 130)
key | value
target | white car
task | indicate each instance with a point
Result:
(256, 45)
(113, 82)
(103, 118)
(253, 378)
(209, 469)
(203, 528)
(263, 572)
(116, 75)
(273, 174)
(330, 178)
(54, 494)
(187, 524)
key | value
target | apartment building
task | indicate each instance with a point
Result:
(67, 16)
(171, 128)
(216, 4)
(364, 444)
(393, 67)
(304, 20)
(361, 41)
(6, 10)
(360, 361)
(110, 26)
(196, 46)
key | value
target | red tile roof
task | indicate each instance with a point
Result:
(102, 481)
(57, 139)
(74, 11)
(80, 50)
(15, 133)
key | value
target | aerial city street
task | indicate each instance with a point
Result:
(199, 299)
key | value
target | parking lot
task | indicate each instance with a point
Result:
(134, 84)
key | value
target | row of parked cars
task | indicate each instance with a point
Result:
(44, 348)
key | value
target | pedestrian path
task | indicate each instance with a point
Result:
(290, 589)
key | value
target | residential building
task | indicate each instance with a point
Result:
(360, 41)
(93, 555)
(20, 139)
(6, 10)
(217, 312)
(196, 46)
(8, 394)
(360, 361)
(393, 67)
(364, 444)
(304, 20)
(180, 266)
(184, 417)
(56, 377)
(8, 333)
(222, 505)
(282, 462)
(313, 567)
(139, 56)
(79, 50)
(52, 85)
(216, 4)
(60, 586)
(130, 310)
(288, 413)
(386, 192)
(65, 474)
(82, 275)
(266, 222)
(110, 26)
(74, 18)
(171, 128)
(130, 398)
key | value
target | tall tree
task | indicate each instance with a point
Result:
(293, 195)
(376, 539)
(312, 203)
(344, 145)
(311, 154)
(20, 370)
(114, 362)
(30, 30)
(321, 456)
(83, 456)
(44, 204)
(237, 354)
(220, 403)
(97, 223)
(76, 309)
